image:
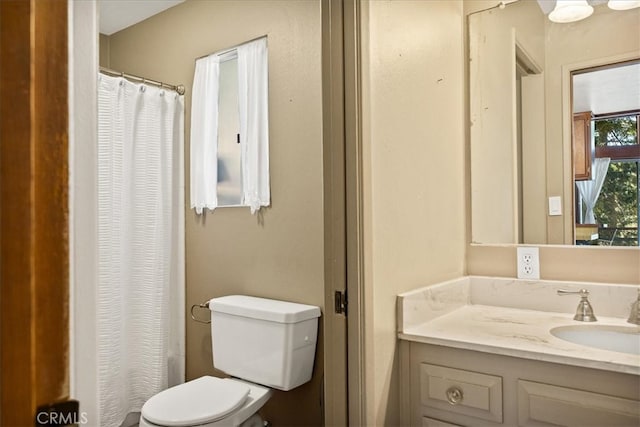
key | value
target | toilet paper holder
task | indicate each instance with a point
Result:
(201, 305)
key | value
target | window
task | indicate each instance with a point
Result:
(617, 207)
(229, 159)
(229, 139)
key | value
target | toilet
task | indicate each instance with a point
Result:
(262, 344)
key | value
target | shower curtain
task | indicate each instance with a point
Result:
(140, 308)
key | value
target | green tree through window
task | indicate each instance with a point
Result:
(616, 131)
(617, 206)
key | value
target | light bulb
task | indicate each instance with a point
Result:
(570, 11)
(623, 4)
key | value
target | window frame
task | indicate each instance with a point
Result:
(621, 152)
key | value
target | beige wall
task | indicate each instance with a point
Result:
(414, 171)
(105, 51)
(571, 263)
(279, 253)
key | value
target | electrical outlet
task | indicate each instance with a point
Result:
(528, 263)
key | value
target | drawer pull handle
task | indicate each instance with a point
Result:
(454, 395)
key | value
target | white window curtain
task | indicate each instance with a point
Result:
(204, 134)
(253, 102)
(590, 189)
(253, 112)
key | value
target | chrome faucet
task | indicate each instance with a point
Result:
(634, 316)
(584, 312)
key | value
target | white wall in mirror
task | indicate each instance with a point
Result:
(520, 139)
(607, 90)
(499, 40)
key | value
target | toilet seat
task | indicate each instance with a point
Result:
(258, 396)
(204, 400)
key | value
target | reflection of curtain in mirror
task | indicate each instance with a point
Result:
(590, 189)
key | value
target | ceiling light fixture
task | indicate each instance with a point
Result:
(623, 4)
(571, 11)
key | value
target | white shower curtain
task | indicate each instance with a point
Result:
(140, 308)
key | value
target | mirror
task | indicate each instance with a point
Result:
(521, 117)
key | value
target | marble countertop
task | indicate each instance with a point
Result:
(509, 331)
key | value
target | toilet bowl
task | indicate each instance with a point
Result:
(263, 344)
(205, 402)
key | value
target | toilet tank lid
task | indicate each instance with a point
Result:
(264, 309)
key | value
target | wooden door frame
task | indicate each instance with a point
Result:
(353, 18)
(334, 324)
(34, 287)
(344, 394)
(83, 197)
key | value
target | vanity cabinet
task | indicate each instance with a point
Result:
(583, 148)
(554, 405)
(444, 386)
(461, 391)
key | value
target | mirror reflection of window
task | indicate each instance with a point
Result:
(607, 106)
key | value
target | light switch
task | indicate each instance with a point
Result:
(555, 206)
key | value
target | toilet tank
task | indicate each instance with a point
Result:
(264, 341)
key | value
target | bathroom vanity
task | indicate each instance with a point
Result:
(487, 351)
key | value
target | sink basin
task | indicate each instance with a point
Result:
(613, 338)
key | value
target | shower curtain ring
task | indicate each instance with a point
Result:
(201, 305)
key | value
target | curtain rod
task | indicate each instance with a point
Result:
(178, 88)
(222, 52)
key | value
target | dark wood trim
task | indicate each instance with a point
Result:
(605, 67)
(582, 145)
(616, 114)
(621, 152)
(33, 226)
(15, 292)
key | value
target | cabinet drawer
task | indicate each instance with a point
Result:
(543, 404)
(463, 392)
(432, 422)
